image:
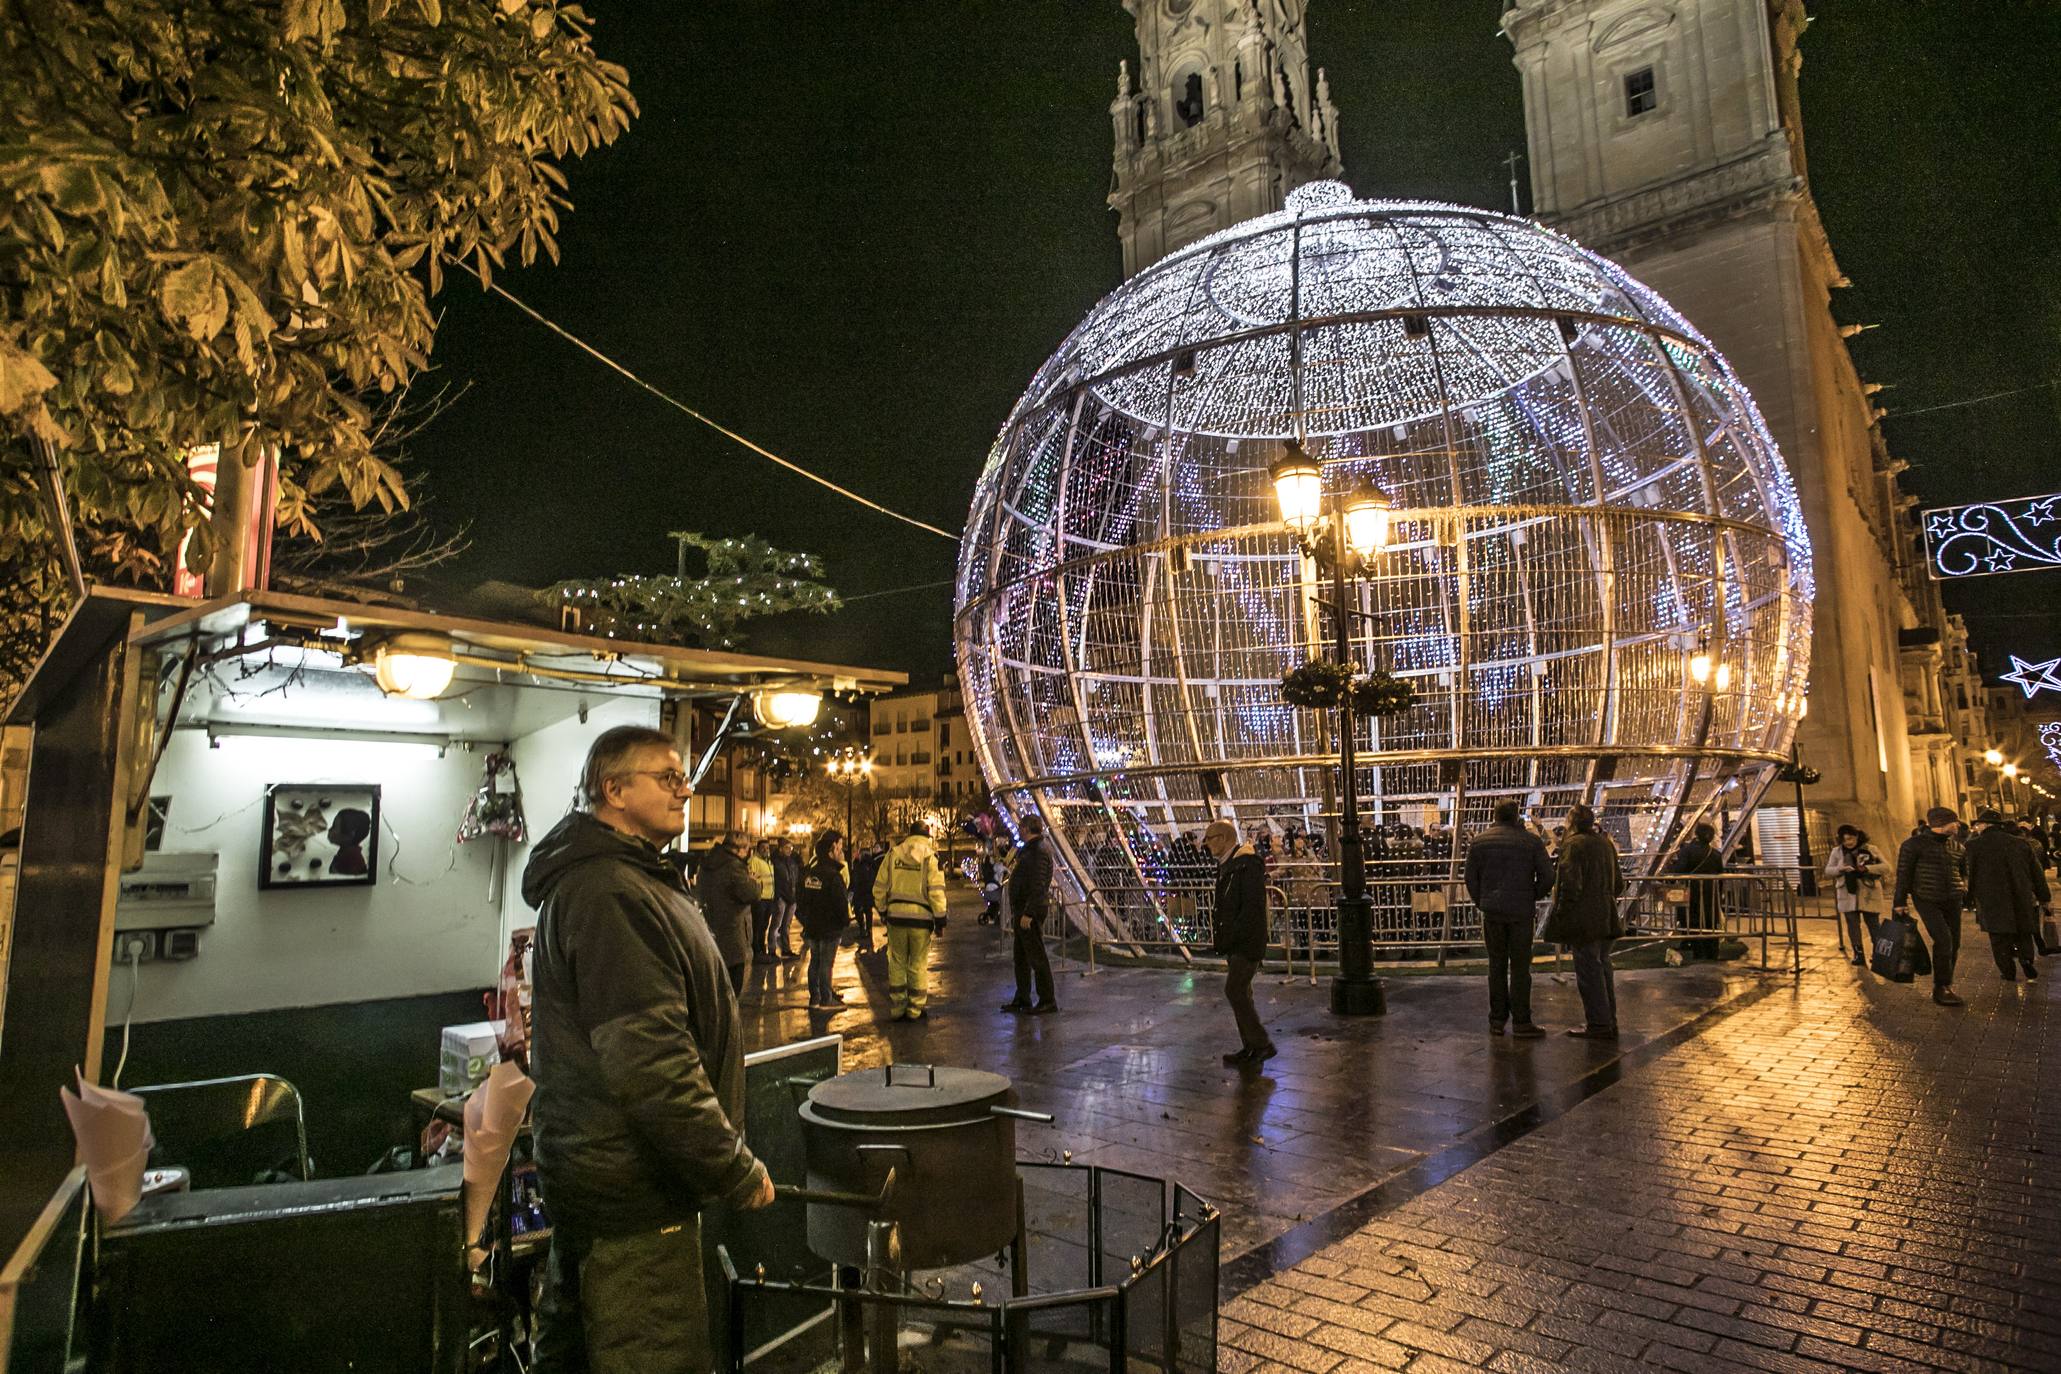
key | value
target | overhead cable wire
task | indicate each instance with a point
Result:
(896, 591)
(1976, 400)
(576, 341)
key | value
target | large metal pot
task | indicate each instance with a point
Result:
(949, 1137)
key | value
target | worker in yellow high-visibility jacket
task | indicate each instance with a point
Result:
(910, 892)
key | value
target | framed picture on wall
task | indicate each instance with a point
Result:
(320, 835)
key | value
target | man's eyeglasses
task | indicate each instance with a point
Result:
(672, 779)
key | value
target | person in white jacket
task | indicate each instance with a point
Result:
(1856, 873)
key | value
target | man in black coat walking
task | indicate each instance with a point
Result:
(1030, 887)
(1931, 873)
(1508, 871)
(2005, 880)
(1241, 934)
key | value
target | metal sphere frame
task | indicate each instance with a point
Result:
(1597, 578)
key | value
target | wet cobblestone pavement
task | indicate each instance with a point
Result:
(1130, 1067)
(1767, 1173)
(1838, 1176)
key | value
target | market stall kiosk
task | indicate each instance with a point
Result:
(269, 836)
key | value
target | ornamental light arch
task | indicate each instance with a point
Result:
(1598, 585)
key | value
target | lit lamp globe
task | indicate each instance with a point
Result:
(786, 709)
(1587, 560)
(414, 666)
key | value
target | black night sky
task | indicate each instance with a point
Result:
(852, 231)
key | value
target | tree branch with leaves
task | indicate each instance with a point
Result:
(221, 221)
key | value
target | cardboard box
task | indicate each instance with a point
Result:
(468, 1052)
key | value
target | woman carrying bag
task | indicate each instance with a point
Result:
(1856, 873)
(1584, 917)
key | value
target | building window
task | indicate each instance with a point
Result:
(1640, 94)
(944, 733)
(1189, 106)
(883, 727)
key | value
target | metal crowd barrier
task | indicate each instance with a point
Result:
(1421, 915)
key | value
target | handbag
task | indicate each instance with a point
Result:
(1895, 941)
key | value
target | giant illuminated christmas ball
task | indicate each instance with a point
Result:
(1597, 583)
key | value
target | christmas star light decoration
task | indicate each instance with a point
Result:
(2050, 740)
(2021, 535)
(2034, 678)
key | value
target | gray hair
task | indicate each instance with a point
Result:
(611, 755)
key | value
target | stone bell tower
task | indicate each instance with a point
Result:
(1668, 135)
(1222, 122)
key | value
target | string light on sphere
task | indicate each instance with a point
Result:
(1582, 497)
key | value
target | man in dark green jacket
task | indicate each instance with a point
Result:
(639, 1062)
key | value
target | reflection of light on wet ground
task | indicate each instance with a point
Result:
(1130, 1066)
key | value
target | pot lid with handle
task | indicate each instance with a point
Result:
(906, 1095)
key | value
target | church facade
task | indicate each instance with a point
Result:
(1669, 136)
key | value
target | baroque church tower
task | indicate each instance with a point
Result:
(1221, 124)
(1668, 135)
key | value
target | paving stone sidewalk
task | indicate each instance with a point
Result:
(1841, 1176)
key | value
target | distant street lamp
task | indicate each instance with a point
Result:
(2010, 771)
(1344, 532)
(850, 767)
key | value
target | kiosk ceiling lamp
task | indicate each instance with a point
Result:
(786, 708)
(415, 666)
(2022, 535)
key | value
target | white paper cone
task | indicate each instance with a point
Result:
(492, 1115)
(112, 1132)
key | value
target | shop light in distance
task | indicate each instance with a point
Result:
(415, 666)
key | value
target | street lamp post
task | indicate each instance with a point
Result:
(2010, 772)
(1995, 759)
(849, 767)
(1806, 865)
(1341, 531)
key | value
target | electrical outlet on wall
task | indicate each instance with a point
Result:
(139, 946)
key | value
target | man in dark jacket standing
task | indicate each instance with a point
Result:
(825, 910)
(1585, 918)
(639, 1063)
(1241, 934)
(1931, 873)
(2005, 880)
(728, 894)
(1508, 871)
(1699, 857)
(787, 870)
(1030, 886)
